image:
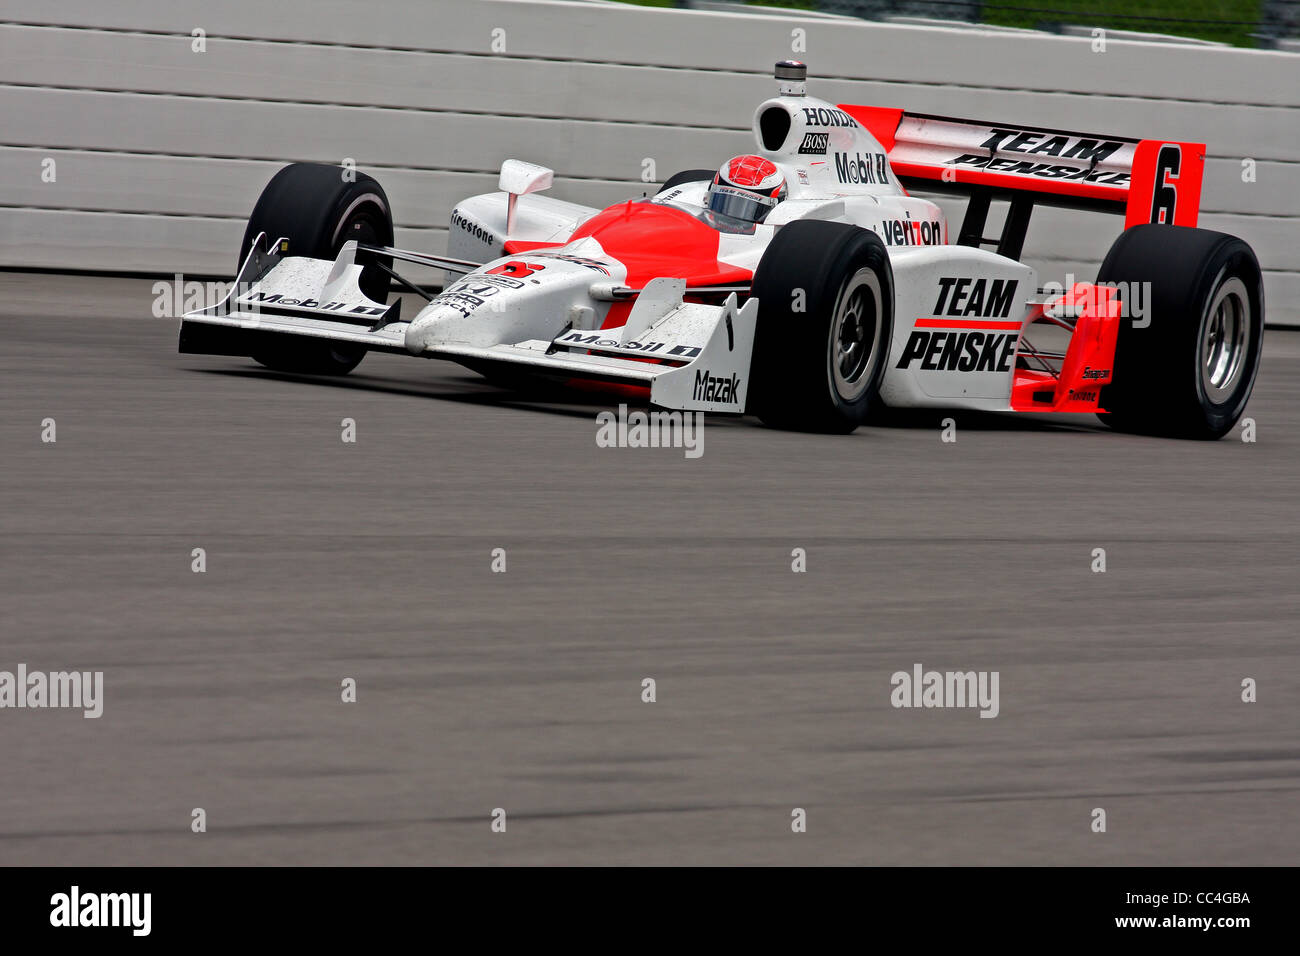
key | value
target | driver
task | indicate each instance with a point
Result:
(746, 188)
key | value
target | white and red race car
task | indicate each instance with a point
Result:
(802, 284)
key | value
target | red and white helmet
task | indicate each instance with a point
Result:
(747, 188)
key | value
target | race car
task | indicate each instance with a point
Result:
(801, 283)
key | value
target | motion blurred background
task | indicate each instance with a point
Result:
(1248, 23)
(136, 137)
(138, 134)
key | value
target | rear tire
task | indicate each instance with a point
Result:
(318, 211)
(825, 319)
(1190, 372)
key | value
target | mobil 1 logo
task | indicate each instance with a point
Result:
(862, 169)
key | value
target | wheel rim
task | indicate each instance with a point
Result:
(1225, 340)
(854, 345)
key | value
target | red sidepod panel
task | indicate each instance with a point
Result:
(653, 240)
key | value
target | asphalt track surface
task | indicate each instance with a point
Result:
(522, 690)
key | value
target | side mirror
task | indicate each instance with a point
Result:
(519, 179)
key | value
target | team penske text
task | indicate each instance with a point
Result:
(959, 351)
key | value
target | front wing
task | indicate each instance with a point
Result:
(276, 297)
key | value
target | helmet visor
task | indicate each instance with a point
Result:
(739, 203)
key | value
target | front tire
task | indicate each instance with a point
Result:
(825, 320)
(1189, 370)
(317, 210)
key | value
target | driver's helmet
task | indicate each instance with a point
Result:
(746, 188)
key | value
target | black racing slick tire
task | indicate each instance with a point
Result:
(1186, 366)
(688, 176)
(317, 209)
(825, 319)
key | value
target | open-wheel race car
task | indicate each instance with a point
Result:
(801, 283)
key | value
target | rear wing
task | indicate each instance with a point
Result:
(1144, 180)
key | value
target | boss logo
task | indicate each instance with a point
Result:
(814, 144)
